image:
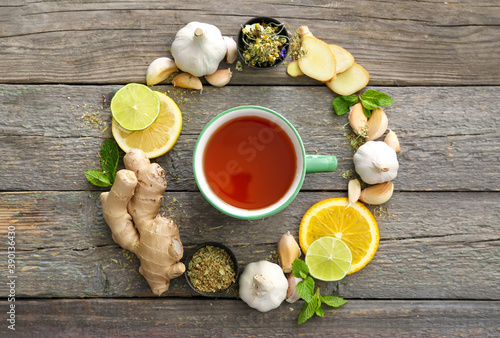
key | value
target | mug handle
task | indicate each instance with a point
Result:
(320, 163)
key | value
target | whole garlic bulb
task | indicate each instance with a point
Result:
(376, 162)
(263, 286)
(198, 48)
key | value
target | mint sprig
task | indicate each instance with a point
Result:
(370, 99)
(109, 163)
(313, 299)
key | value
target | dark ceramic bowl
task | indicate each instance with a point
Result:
(260, 20)
(235, 264)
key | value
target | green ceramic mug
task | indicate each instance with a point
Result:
(304, 163)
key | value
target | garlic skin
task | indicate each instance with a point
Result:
(358, 120)
(288, 251)
(353, 191)
(376, 162)
(231, 50)
(377, 124)
(198, 48)
(263, 286)
(377, 194)
(292, 296)
(159, 70)
(220, 78)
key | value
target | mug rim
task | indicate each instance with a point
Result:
(250, 214)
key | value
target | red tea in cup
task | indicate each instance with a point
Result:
(250, 162)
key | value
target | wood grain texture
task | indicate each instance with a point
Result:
(447, 145)
(64, 247)
(114, 42)
(203, 317)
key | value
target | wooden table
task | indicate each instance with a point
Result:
(437, 269)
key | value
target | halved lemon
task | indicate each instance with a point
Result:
(354, 225)
(329, 259)
(158, 138)
(135, 106)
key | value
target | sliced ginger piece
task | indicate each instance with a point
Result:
(351, 81)
(293, 69)
(343, 58)
(319, 61)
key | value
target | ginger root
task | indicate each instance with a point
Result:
(131, 211)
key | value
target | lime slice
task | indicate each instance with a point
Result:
(158, 138)
(135, 106)
(329, 259)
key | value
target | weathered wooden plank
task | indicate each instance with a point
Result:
(398, 42)
(179, 317)
(83, 111)
(64, 248)
(446, 145)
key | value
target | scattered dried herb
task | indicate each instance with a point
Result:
(211, 269)
(264, 44)
(295, 50)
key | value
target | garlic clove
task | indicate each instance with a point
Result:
(288, 251)
(220, 78)
(232, 49)
(186, 80)
(353, 191)
(358, 120)
(377, 194)
(392, 140)
(159, 70)
(291, 295)
(377, 124)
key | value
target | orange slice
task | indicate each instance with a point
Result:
(354, 225)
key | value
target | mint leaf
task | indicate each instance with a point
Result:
(97, 177)
(309, 309)
(320, 312)
(381, 99)
(300, 268)
(372, 99)
(369, 104)
(342, 104)
(351, 99)
(305, 289)
(333, 301)
(109, 159)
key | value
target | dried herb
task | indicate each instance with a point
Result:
(264, 44)
(211, 269)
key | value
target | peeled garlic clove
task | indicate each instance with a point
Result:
(353, 191)
(159, 70)
(392, 140)
(232, 49)
(220, 78)
(357, 119)
(186, 80)
(288, 251)
(377, 194)
(377, 124)
(291, 295)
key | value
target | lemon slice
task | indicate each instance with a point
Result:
(329, 259)
(135, 106)
(354, 225)
(158, 138)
